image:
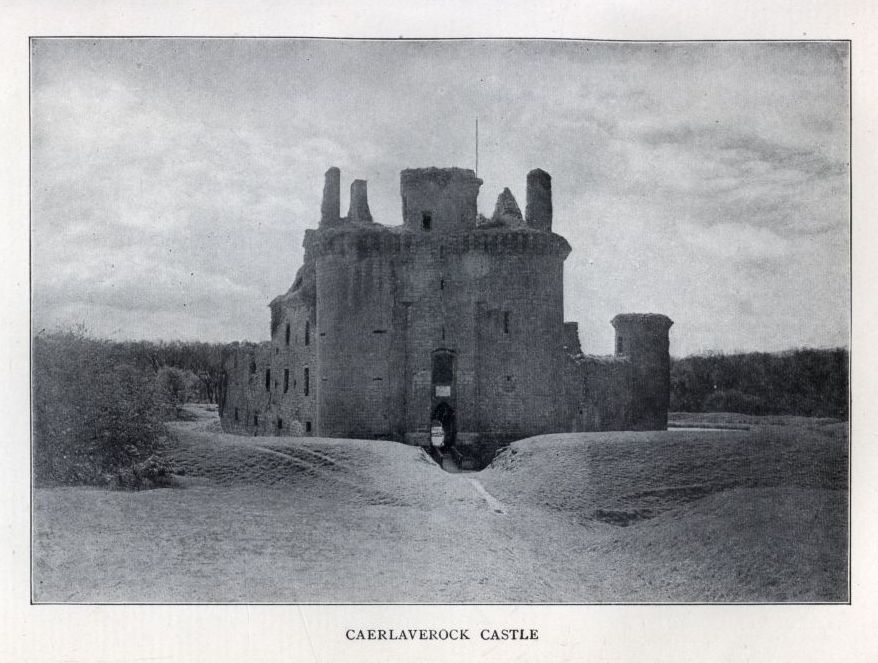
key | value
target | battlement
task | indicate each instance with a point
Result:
(646, 321)
(378, 239)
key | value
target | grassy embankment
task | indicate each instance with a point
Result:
(756, 515)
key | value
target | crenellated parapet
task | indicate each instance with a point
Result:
(348, 241)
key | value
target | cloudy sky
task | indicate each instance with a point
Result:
(172, 180)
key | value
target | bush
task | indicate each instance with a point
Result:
(172, 390)
(94, 412)
(150, 473)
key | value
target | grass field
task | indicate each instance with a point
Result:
(742, 515)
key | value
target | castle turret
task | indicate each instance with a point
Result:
(439, 200)
(538, 212)
(330, 208)
(359, 208)
(643, 338)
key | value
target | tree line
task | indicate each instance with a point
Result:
(807, 382)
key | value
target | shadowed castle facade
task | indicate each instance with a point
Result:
(450, 317)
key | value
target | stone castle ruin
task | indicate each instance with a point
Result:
(450, 317)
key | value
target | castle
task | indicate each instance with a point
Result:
(450, 317)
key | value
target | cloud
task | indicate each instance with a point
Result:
(173, 179)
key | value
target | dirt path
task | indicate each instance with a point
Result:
(492, 501)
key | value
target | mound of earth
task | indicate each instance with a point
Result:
(625, 477)
(361, 471)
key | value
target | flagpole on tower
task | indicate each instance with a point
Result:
(477, 145)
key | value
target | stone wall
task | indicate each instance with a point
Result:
(605, 397)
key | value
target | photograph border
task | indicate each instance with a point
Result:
(673, 632)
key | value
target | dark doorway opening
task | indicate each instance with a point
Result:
(444, 414)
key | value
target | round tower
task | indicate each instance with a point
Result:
(643, 338)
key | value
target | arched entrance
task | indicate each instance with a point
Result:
(444, 414)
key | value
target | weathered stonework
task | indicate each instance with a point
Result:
(386, 329)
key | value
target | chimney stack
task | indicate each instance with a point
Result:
(331, 207)
(538, 212)
(359, 210)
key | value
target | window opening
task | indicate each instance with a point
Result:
(426, 220)
(287, 334)
(280, 423)
(505, 322)
(267, 379)
(286, 380)
(255, 419)
(443, 368)
(236, 414)
(307, 333)
(307, 381)
(307, 426)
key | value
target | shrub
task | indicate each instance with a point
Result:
(94, 412)
(153, 472)
(171, 389)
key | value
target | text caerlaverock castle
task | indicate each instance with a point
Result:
(450, 317)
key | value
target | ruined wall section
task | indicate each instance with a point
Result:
(292, 398)
(265, 385)
(604, 399)
(246, 400)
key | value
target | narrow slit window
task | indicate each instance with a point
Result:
(236, 414)
(427, 221)
(287, 334)
(286, 380)
(505, 322)
(280, 423)
(267, 379)
(307, 332)
(255, 419)
(306, 379)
